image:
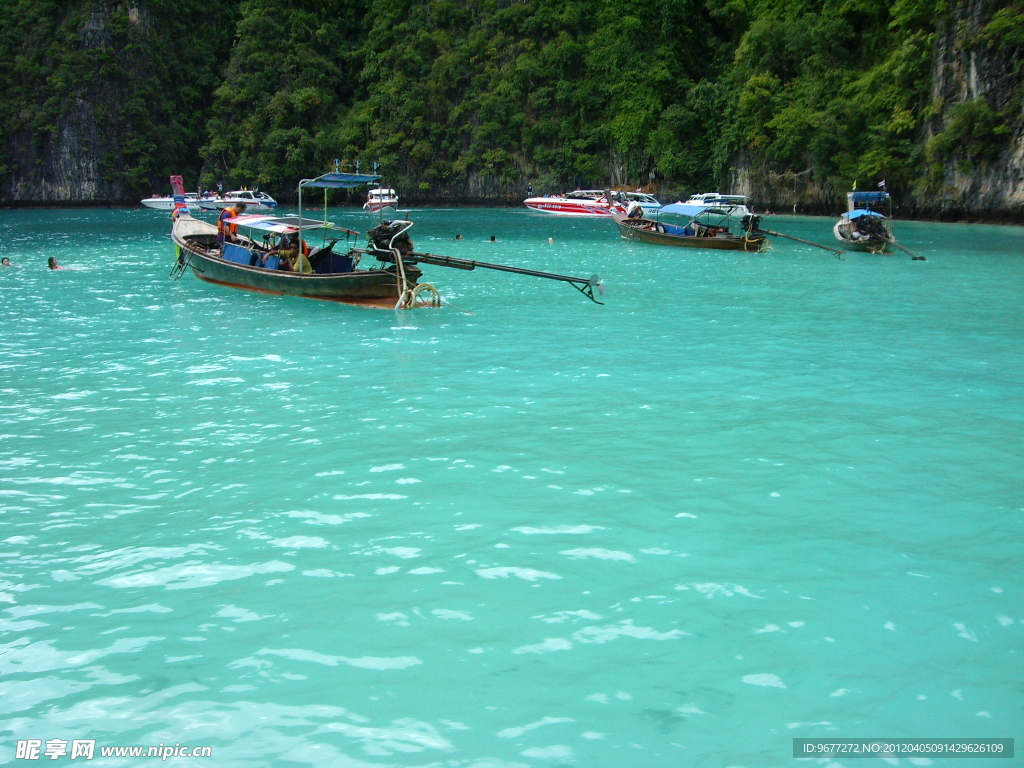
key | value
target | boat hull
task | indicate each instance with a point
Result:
(560, 206)
(376, 207)
(864, 245)
(365, 286)
(213, 204)
(630, 229)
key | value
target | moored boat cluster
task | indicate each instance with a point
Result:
(274, 254)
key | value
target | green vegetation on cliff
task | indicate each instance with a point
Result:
(476, 98)
(130, 82)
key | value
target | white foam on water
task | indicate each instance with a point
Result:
(527, 574)
(193, 575)
(547, 646)
(765, 679)
(362, 662)
(598, 554)
(515, 733)
(300, 542)
(554, 529)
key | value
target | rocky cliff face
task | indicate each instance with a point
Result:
(104, 99)
(972, 140)
(74, 161)
(976, 72)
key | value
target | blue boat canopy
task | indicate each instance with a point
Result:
(683, 209)
(856, 214)
(340, 180)
(869, 197)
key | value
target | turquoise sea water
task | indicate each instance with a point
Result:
(751, 498)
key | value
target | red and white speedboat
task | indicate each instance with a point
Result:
(582, 202)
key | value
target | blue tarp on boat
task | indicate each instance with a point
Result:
(340, 180)
(683, 209)
(856, 214)
(869, 197)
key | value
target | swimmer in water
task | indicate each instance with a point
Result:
(5, 262)
(52, 263)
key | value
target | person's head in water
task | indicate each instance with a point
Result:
(493, 238)
(5, 262)
(52, 263)
(458, 237)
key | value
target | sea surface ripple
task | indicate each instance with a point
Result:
(750, 498)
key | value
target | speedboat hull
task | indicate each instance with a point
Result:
(380, 206)
(167, 203)
(564, 206)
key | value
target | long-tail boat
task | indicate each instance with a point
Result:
(273, 256)
(864, 227)
(705, 227)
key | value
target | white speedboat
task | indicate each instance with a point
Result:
(377, 199)
(582, 202)
(734, 205)
(254, 200)
(158, 203)
(649, 203)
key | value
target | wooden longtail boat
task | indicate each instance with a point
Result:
(707, 228)
(242, 265)
(863, 227)
(275, 266)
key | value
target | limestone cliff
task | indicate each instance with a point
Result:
(975, 134)
(105, 98)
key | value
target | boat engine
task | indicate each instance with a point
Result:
(750, 223)
(381, 237)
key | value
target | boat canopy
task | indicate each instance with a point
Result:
(868, 197)
(683, 209)
(279, 224)
(859, 212)
(340, 180)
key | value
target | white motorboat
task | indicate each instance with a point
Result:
(377, 199)
(734, 205)
(254, 200)
(209, 201)
(649, 203)
(158, 203)
(582, 202)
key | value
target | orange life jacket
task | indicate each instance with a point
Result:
(222, 224)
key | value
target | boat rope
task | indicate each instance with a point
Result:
(404, 294)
